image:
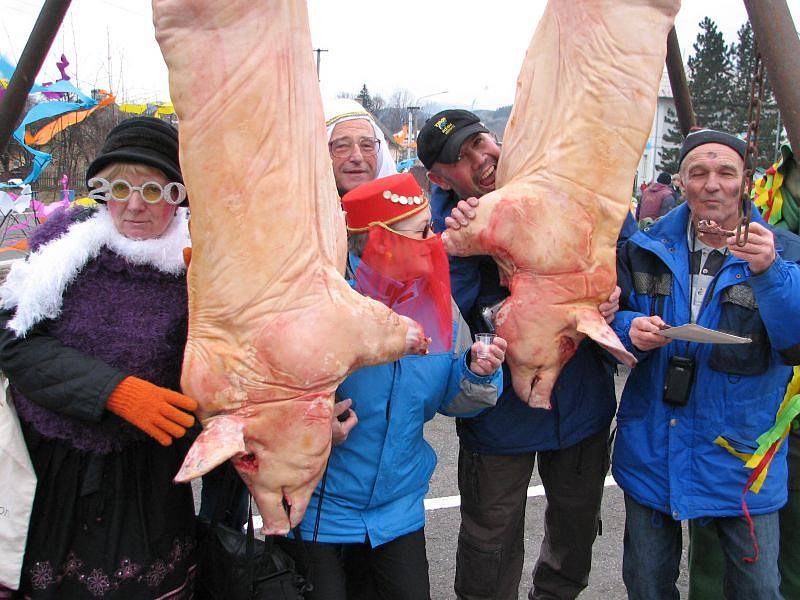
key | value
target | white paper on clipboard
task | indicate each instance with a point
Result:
(695, 333)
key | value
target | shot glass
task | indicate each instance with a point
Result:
(485, 340)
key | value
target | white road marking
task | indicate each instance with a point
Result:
(454, 501)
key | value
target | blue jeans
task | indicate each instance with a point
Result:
(652, 555)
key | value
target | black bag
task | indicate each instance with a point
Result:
(232, 565)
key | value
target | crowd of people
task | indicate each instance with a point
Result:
(95, 325)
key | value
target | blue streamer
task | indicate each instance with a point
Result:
(44, 110)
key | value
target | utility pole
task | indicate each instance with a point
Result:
(319, 51)
(410, 138)
(411, 110)
(36, 48)
(110, 69)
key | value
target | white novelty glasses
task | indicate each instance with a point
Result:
(152, 192)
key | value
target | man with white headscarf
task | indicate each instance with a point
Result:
(358, 149)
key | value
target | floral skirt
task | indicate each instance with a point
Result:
(108, 526)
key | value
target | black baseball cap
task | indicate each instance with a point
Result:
(441, 137)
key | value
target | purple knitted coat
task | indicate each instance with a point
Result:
(133, 317)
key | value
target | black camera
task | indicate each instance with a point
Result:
(678, 383)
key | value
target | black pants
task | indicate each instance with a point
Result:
(491, 539)
(397, 570)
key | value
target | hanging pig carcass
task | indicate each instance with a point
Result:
(273, 326)
(585, 100)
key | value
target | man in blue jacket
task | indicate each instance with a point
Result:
(498, 449)
(690, 411)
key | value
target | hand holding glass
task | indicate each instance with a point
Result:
(485, 340)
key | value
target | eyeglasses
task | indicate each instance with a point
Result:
(343, 147)
(424, 233)
(152, 192)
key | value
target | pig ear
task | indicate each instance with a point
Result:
(222, 438)
(590, 322)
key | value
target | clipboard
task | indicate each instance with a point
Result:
(692, 332)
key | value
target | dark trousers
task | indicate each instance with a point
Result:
(493, 498)
(397, 570)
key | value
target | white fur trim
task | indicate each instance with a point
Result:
(36, 286)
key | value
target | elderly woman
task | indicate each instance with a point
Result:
(366, 519)
(95, 329)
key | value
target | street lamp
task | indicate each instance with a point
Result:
(411, 110)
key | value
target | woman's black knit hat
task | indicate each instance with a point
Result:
(144, 140)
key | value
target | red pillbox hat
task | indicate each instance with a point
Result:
(386, 200)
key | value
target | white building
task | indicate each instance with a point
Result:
(648, 165)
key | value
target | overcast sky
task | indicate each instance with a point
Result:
(471, 49)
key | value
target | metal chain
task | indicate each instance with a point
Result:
(751, 152)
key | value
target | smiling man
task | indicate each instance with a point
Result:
(499, 449)
(357, 146)
(691, 413)
(466, 169)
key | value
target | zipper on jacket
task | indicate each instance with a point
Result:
(391, 392)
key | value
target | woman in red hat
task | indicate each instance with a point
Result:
(366, 519)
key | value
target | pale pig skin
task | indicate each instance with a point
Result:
(273, 326)
(585, 100)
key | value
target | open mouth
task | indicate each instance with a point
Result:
(487, 177)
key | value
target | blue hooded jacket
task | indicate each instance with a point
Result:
(377, 479)
(583, 399)
(665, 456)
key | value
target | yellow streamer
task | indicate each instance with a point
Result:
(136, 109)
(751, 461)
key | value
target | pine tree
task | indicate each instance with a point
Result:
(709, 79)
(365, 99)
(743, 59)
(672, 140)
(710, 75)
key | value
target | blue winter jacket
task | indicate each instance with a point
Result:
(583, 399)
(664, 455)
(377, 479)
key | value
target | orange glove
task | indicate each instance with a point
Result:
(153, 409)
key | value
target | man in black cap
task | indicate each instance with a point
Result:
(498, 449)
(466, 169)
(692, 414)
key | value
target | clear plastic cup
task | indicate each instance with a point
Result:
(485, 340)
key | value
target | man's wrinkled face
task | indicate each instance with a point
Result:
(356, 168)
(711, 175)
(473, 174)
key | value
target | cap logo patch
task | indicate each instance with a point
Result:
(445, 126)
